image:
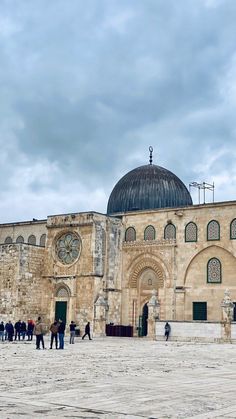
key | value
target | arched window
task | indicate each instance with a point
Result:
(42, 240)
(149, 233)
(62, 292)
(213, 230)
(214, 271)
(32, 239)
(8, 240)
(20, 239)
(233, 229)
(130, 234)
(170, 231)
(191, 232)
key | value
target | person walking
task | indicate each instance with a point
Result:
(72, 331)
(39, 331)
(87, 331)
(54, 333)
(2, 328)
(167, 330)
(61, 333)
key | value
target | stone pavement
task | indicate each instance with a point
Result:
(118, 378)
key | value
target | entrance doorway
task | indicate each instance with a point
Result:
(143, 322)
(60, 310)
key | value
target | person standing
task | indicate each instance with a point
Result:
(17, 329)
(39, 331)
(2, 328)
(30, 328)
(167, 330)
(54, 332)
(61, 333)
(10, 331)
(87, 331)
(72, 331)
(23, 329)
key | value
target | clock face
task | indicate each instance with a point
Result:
(68, 248)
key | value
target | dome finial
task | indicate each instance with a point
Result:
(150, 158)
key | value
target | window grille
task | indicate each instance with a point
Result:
(233, 229)
(149, 233)
(130, 234)
(213, 230)
(191, 232)
(170, 231)
(214, 271)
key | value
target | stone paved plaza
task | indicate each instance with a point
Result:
(118, 378)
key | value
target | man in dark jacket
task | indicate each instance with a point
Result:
(30, 329)
(10, 331)
(61, 333)
(87, 331)
(54, 332)
(2, 328)
(167, 330)
(72, 331)
(17, 329)
(23, 329)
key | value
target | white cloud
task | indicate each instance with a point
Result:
(86, 90)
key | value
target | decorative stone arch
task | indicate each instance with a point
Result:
(62, 291)
(144, 263)
(8, 240)
(203, 251)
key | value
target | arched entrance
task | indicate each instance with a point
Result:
(62, 303)
(143, 321)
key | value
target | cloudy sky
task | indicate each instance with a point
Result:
(87, 86)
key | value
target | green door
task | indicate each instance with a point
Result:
(60, 310)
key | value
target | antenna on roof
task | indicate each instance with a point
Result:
(150, 157)
(203, 186)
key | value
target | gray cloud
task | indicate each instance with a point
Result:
(85, 89)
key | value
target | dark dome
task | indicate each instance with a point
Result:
(148, 187)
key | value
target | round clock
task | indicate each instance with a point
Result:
(68, 248)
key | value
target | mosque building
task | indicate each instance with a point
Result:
(103, 268)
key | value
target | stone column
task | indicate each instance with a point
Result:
(100, 308)
(227, 316)
(153, 314)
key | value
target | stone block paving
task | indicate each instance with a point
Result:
(118, 378)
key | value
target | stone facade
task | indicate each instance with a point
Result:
(188, 256)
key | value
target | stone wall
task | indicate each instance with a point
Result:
(183, 265)
(24, 229)
(23, 291)
(190, 331)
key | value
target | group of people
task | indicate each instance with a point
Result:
(57, 330)
(19, 330)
